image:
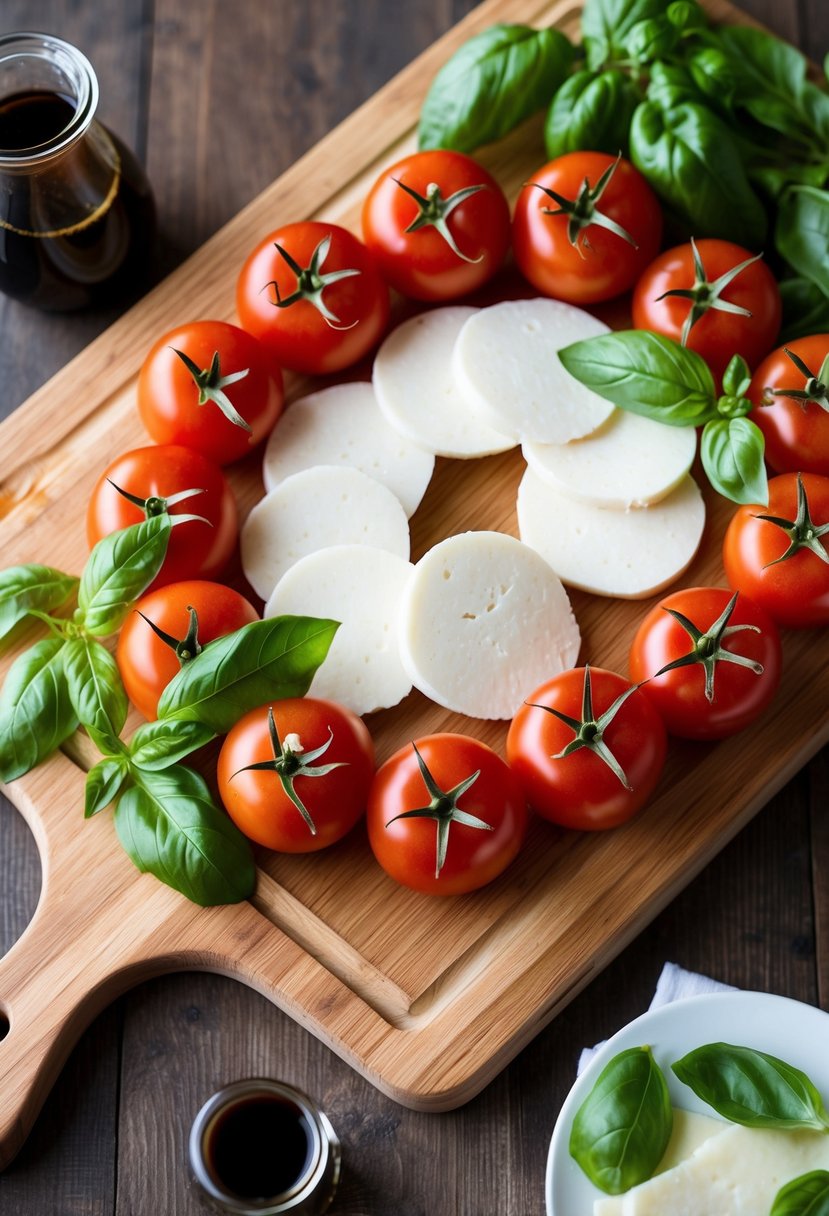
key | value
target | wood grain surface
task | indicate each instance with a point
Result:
(112, 1135)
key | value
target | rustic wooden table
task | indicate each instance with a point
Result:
(217, 99)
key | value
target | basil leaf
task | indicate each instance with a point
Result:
(692, 161)
(732, 456)
(670, 85)
(592, 112)
(622, 1128)
(119, 568)
(23, 588)
(36, 714)
(651, 39)
(687, 16)
(771, 86)
(95, 688)
(645, 373)
(807, 1195)
(737, 377)
(802, 233)
(157, 745)
(495, 81)
(752, 1088)
(805, 310)
(170, 827)
(607, 23)
(103, 783)
(258, 663)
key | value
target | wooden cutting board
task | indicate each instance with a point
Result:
(428, 998)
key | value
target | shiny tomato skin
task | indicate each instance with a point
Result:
(794, 592)
(168, 396)
(256, 801)
(740, 696)
(147, 664)
(406, 849)
(421, 264)
(580, 790)
(717, 335)
(299, 337)
(196, 549)
(607, 264)
(796, 433)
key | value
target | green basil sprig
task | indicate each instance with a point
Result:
(622, 1128)
(36, 714)
(606, 24)
(591, 110)
(496, 80)
(119, 568)
(752, 1088)
(807, 1195)
(26, 589)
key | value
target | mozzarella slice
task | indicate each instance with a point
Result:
(629, 461)
(736, 1173)
(361, 587)
(343, 425)
(417, 392)
(313, 510)
(505, 364)
(628, 554)
(483, 622)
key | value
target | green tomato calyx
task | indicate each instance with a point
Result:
(156, 505)
(802, 531)
(444, 809)
(311, 283)
(582, 211)
(185, 648)
(705, 295)
(707, 647)
(211, 385)
(434, 211)
(816, 389)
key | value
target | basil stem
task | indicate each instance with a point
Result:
(752, 1088)
(36, 714)
(622, 1128)
(807, 1195)
(119, 568)
(23, 588)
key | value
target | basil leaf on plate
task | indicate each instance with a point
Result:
(258, 663)
(170, 827)
(95, 688)
(23, 588)
(805, 310)
(752, 1088)
(491, 84)
(646, 374)
(621, 1130)
(591, 111)
(36, 714)
(119, 568)
(732, 456)
(103, 782)
(807, 1195)
(157, 745)
(802, 233)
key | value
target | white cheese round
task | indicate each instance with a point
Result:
(484, 621)
(315, 509)
(361, 587)
(505, 364)
(416, 389)
(343, 425)
(630, 461)
(628, 554)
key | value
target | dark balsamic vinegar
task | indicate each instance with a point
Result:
(77, 263)
(259, 1147)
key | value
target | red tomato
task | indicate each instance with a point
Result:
(178, 405)
(196, 549)
(311, 735)
(324, 322)
(447, 259)
(794, 591)
(796, 431)
(739, 693)
(717, 335)
(597, 264)
(146, 662)
(580, 790)
(476, 851)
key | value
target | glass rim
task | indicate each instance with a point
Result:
(81, 81)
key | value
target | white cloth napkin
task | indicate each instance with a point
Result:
(674, 983)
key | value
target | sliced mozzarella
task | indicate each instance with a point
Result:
(505, 363)
(629, 554)
(361, 587)
(484, 622)
(735, 1173)
(417, 392)
(312, 510)
(343, 425)
(630, 461)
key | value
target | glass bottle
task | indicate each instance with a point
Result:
(77, 218)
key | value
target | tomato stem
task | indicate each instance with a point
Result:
(802, 531)
(156, 505)
(705, 295)
(211, 383)
(434, 210)
(589, 730)
(185, 648)
(311, 283)
(582, 211)
(707, 648)
(816, 389)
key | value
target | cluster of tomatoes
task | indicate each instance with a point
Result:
(446, 814)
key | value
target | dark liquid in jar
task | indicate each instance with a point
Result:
(100, 263)
(260, 1147)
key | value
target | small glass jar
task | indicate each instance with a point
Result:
(261, 1148)
(77, 218)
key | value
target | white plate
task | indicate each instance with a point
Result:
(794, 1032)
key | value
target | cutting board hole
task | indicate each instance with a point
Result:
(4, 1025)
(20, 875)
